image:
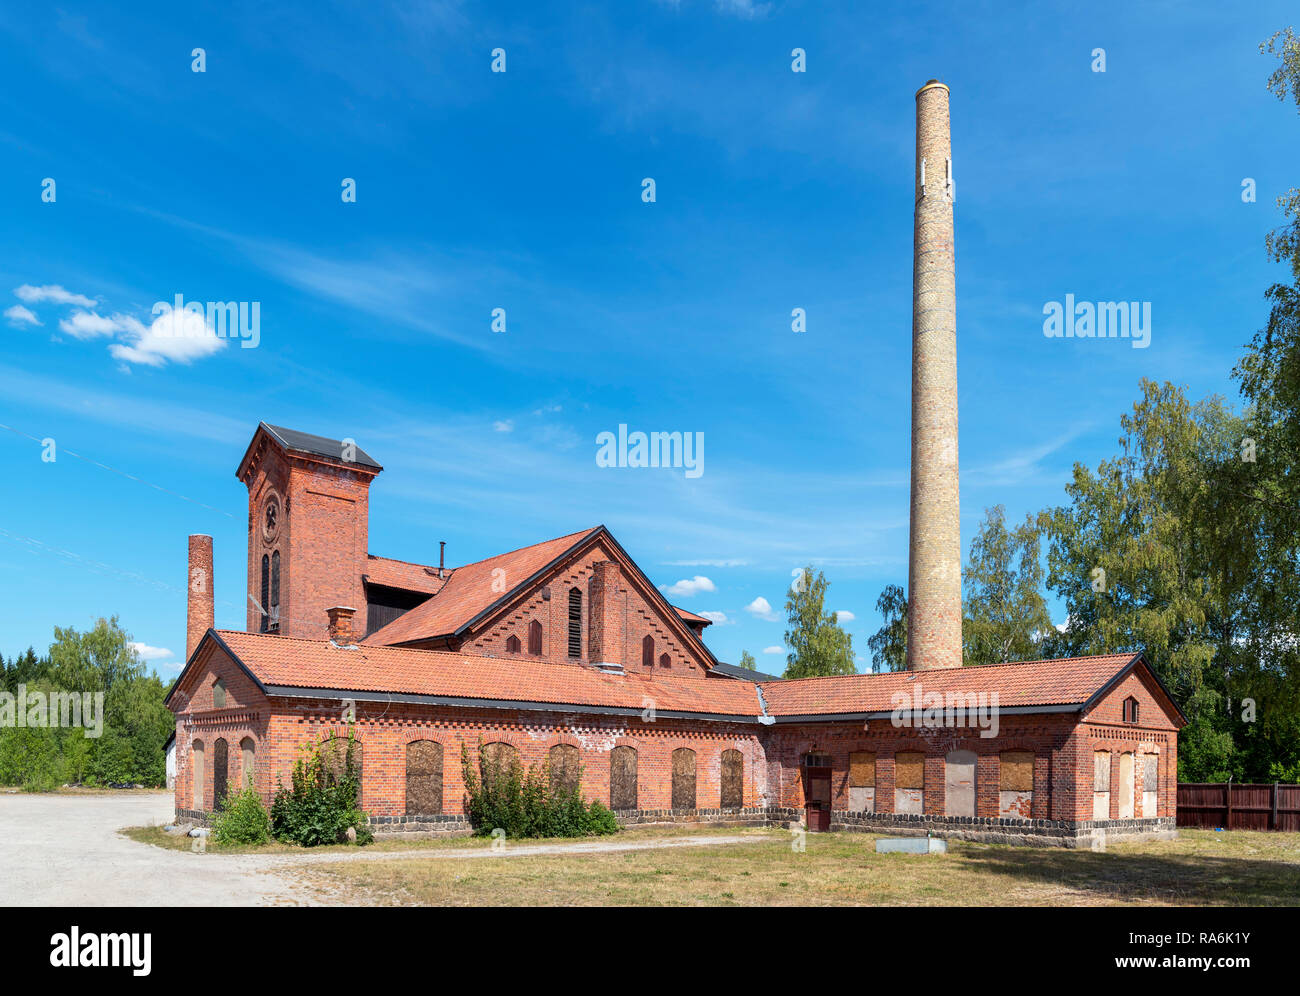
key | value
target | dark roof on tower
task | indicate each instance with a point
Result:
(321, 446)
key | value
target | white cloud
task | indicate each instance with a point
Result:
(54, 294)
(762, 608)
(504, 425)
(745, 9)
(148, 653)
(178, 336)
(774, 650)
(717, 618)
(842, 616)
(92, 325)
(19, 315)
(687, 587)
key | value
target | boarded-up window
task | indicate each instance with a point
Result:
(862, 782)
(575, 622)
(566, 768)
(535, 638)
(1101, 785)
(622, 778)
(648, 651)
(512, 644)
(1016, 784)
(665, 661)
(733, 779)
(218, 694)
(909, 771)
(1126, 786)
(683, 778)
(196, 774)
(1101, 771)
(266, 591)
(423, 778)
(220, 772)
(1150, 785)
(274, 605)
(334, 755)
(247, 761)
(498, 759)
(959, 783)
(1016, 771)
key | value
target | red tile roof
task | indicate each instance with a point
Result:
(472, 589)
(404, 575)
(318, 664)
(692, 617)
(1068, 681)
(283, 661)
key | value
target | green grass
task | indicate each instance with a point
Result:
(1200, 868)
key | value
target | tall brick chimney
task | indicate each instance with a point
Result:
(340, 625)
(934, 550)
(605, 617)
(198, 600)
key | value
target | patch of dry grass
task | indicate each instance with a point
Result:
(1200, 868)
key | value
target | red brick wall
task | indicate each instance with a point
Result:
(1155, 733)
(322, 537)
(631, 616)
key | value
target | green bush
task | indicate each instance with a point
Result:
(242, 819)
(321, 804)
(504, 796)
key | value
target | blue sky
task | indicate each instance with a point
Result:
(521, 190)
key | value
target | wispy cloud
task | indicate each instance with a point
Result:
(18, 315)
(52, 293)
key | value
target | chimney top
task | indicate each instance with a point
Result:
(198, 600)
(340, 627)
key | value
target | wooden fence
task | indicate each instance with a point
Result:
(1235, 806)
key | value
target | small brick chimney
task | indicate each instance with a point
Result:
(340, 627)
(605, 617)
(198, 587)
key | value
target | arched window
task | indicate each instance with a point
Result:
(622, 778)
(496, 761)
(535, 638)
(1101, 785)
(423, 778)
(733, 779)
(909, 782)
(1016, 784)
(334, 754)
(266, 590)
(566, 769)
(665, 661)
(1126, 786)
(512, 644)
(1130, 710)
(275, 592)
(196, 775)
(1150, 785)
(247, 761)
(648, 651)
(683, 778)
(959, 785)
(218, 694)
(575, 622)
(220, 764)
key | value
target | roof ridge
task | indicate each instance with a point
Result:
(965, 667)
(521, 549)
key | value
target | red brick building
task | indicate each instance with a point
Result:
(565, 651)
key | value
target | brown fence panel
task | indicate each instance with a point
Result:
(1239, 806)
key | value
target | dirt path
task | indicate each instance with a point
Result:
(64, 850)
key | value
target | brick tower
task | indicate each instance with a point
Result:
(934, 549)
